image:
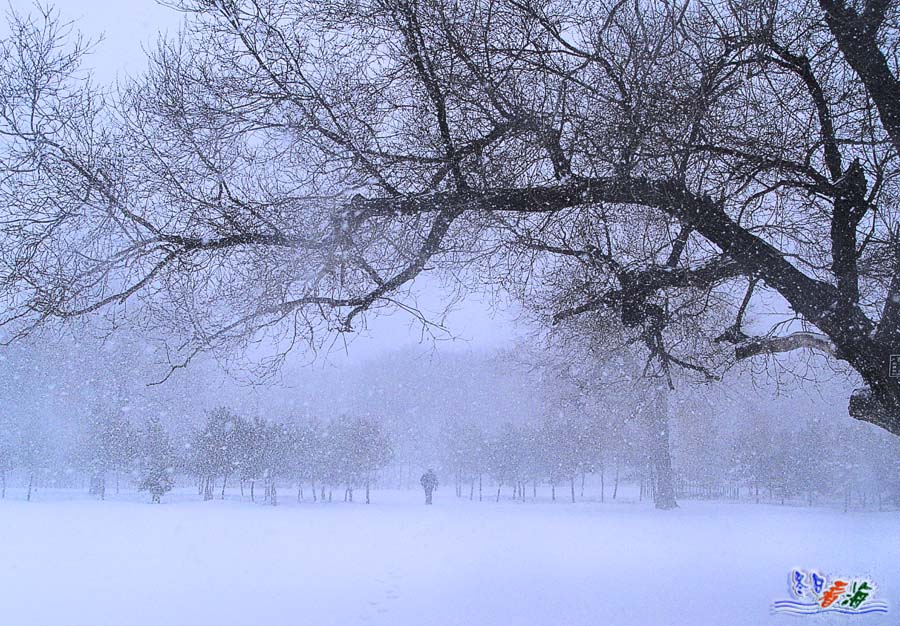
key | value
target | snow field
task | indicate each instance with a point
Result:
(70, 561)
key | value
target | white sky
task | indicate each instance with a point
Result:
(125, 25)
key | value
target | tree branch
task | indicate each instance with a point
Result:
(753, 346)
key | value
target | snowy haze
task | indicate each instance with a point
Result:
(292, 494)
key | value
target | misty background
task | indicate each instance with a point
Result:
(485, 364)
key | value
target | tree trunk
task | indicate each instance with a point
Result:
(479, 487)
(252, 491)
(498, 492)
(663, 486)
(602, 483)
(367, 492)
(616, 480)
(572, 483)
(224, 482)
(30, 483)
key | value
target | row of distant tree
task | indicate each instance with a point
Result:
(109, 447)
(764, 461)
(804, 459)
(346, 452)
(556, 454)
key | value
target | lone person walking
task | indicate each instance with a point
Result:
(429, 484)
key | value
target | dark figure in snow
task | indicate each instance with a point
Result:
(429, 484)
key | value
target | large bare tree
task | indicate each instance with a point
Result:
(285, 167)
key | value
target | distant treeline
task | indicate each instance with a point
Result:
(810, 462)
(805, 461)
(346, 452)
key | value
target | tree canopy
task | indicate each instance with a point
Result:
(285, 167)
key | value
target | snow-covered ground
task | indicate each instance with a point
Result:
(66, 560)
